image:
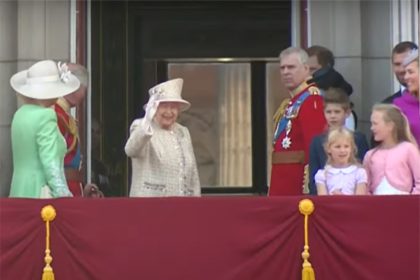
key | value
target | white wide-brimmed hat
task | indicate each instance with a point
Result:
(45, 80)
(169, 91)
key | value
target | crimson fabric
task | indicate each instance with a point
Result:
(221, 238)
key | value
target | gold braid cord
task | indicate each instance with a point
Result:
(280, 111)
(305, 185)
(71, 128)
(306, 207)
(48, 214)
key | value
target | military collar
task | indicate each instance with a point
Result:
(300, 87)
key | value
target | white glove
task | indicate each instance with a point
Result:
(151, 108)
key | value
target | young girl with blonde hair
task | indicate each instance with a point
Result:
(343, 174)
(393, 166)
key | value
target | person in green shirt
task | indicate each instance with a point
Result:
(38, 147)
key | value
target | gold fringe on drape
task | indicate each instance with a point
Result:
(306, 207)
(48, 214)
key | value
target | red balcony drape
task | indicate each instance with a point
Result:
(221, 238)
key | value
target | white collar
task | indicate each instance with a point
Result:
(345, 170)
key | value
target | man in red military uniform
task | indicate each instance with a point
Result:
(297, 121)
(68, 127)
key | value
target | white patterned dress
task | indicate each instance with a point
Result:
(163, 161)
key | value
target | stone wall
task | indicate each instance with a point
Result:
(30, 31)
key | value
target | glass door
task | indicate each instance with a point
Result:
(219, 120)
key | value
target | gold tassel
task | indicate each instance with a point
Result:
(48, 214)
(48, 273)
(306, 207)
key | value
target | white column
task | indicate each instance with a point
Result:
(8, 55)
(31, 31)
(337, 25)
(405, 24)
(295, 23)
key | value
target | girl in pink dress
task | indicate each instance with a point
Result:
(343, 174)
(393, 166)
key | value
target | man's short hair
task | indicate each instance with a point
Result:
(325, 56)
(335, 95)
(403, 47)
(80, 72)
(302, 54)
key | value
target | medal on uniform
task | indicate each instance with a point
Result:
(291, 112)
(287, 142)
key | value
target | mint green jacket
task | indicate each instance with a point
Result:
(38, 153)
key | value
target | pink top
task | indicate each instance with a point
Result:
(400, 165)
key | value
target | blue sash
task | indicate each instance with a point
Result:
(290, 113)
(75, 162)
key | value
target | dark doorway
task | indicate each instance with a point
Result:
(135, 42)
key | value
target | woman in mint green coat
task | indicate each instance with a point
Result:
(37, 144)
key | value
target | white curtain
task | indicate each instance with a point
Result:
(235, 157)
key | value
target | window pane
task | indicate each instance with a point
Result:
(219, 120)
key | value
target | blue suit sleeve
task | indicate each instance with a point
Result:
(314, 165)
(362, 145)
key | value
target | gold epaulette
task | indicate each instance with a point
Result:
(314, 90)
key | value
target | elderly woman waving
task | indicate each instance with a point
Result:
(163, 161)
